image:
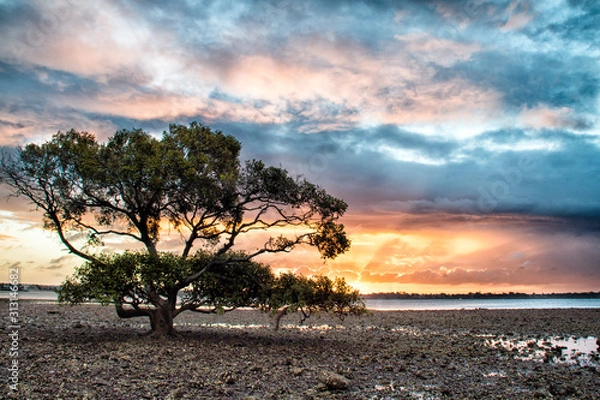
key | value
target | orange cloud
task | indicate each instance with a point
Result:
(401, 253)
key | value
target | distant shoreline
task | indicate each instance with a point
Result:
(479, 295)
(26, 287)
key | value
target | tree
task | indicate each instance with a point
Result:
(191, 179)
(293, 293)
(138, 283)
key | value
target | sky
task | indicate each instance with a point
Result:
(464, 136)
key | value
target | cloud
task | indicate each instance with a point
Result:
(422, 115)
(441, 51)
(8, 267)
(542, 117)
(59, 263)
(551, 259)
(533, 78)
(508, 171)
(520, 15)
(142, 71)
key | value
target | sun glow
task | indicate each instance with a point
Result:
(465, 245)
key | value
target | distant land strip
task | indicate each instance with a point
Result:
(24, 287)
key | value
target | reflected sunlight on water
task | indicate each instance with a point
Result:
(556, 349)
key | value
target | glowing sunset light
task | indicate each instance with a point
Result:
(465, 245)
(464, 138)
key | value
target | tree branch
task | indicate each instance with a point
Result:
(131, 312)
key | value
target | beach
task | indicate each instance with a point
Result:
(87, 352)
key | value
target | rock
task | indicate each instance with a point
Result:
(296, 371)
(542, 394)
(230, 379)
(177, 393)
(334, 381)
(256, 368)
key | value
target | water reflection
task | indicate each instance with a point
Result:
(556, 349)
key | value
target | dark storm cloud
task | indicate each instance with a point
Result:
(583, 26)
(435, 147)
(550, 182)
(17, 82)
(557, 183)
(268, 24)
(527, 79)
(16, 12)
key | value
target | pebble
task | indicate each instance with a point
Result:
(333, 381)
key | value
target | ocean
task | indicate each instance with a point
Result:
(473, 304)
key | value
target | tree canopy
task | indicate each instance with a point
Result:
(191, 179)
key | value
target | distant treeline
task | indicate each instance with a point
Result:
(5, 287)
(479, 295)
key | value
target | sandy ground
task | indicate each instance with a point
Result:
(87, 352)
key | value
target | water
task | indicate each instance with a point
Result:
(554, 349)
(473, 304)
(41, 295)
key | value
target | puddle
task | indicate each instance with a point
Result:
(495, 374)
(259, 326)
(227, 325)
(407, 330)
(413, 394)
(323, 327)
(574, 350)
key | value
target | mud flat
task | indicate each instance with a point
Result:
(87, 352)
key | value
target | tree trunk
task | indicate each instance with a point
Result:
(278, 315)
(161, 321)
(161, 318)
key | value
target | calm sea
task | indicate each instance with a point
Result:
(472, 304)
(42, 295)
(421, 304)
